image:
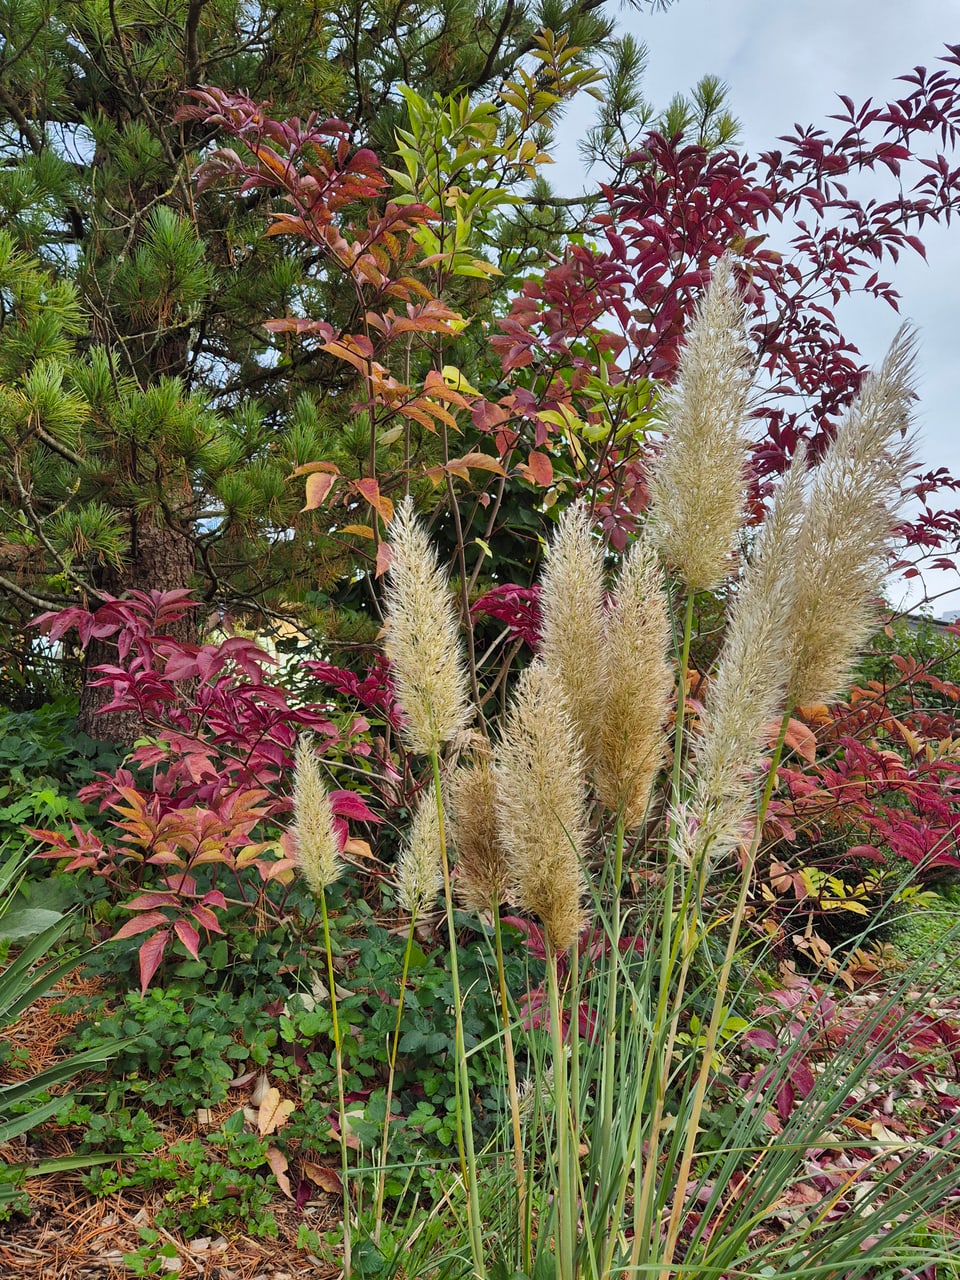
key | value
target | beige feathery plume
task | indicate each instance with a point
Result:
(637, 683)
(572, 623)
(483, 881)
(845, 540)
(318, 849)
(419, 876)
(747, 692)
(541, 809)
(697, 486)
(423, 638)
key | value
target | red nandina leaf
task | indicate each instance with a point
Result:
(206, 919)
(141, 924)
(189, 937)
(151, 955)
(865, 851)
(146, 901)
(347, 804)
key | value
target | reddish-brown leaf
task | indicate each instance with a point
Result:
(326, 1178)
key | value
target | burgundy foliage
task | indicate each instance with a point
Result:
(801, 242)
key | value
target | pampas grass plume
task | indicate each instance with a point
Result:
(747, 692)
(637, 682)
(419, 876)
(844, 544)
(423, 640)
(572, 622)
(318, 849)
(697, 487)
(541, 809)
(483, 881)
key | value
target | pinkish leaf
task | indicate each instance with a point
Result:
(141, 924)
(279, 1164)
(317, 488)
(189, 937)
(151, 954)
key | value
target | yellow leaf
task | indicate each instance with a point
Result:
(357, 849)
(456, 381)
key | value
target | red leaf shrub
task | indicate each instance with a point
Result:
(204, 797)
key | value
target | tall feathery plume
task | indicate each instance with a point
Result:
(637, 682)
(747, 692)
(851, 513)
(572, 625)
(542, 814)
(419, 877)
(484, 871)
(697, 487)
(318, 849)
(423, 639)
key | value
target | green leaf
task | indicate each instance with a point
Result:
(27, 922)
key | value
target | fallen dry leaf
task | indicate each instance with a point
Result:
(274, 1112)
(322, 1176)
(279, 1164)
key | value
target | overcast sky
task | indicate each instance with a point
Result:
(784, 62)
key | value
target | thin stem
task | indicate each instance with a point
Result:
(465, 1143)
(566, 1186)
(667, 1015)
(610, 1022)
(716, 1017)
(382, 1182)
(341, 1099)
(512, 1091)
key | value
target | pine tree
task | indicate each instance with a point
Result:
(149, 423)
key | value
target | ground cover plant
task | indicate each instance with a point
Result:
(532, 923)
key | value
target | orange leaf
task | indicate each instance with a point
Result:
(801, 740)
(318, 487)
(383, 559)
(541, 468)
(361, 362)
(413, 411)
(370, 490)
(358, 849)
(308, 468)
(359, 530)
(274, 1112)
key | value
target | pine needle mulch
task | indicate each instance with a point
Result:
(71, 1234)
